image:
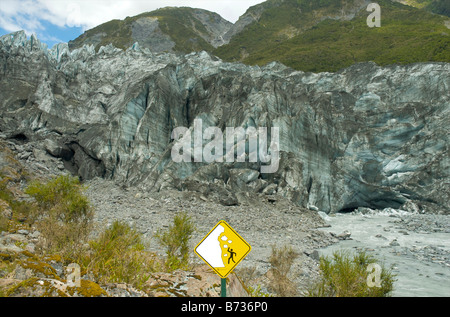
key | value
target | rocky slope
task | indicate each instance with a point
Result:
(164, 30)
(26, 274)
(367, 136)
(29, 270)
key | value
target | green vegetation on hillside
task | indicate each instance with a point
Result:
(406, 35)
(439, 7)
(117, 32)
(279, 21)
(308, 35)
(183, 28)
(179, 23)
(435, 6)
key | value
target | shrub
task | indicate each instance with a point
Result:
(64, 213)
(344, 275)
(281, 261)
(61, 197)
(176, 241)
(118, 255)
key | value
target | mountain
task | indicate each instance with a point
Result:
(167, 29)
(366, 136)
(308, 35)
(329, 35)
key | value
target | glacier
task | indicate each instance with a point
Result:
(365, 136)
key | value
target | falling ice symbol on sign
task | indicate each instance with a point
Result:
(222, 249)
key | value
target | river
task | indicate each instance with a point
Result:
(416, 246)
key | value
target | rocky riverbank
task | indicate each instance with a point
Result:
(415, 245)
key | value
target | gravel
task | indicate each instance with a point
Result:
(263, 221)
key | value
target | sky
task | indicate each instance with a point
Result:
(56, 21)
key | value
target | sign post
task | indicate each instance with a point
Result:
(222, 249)
(223, 287)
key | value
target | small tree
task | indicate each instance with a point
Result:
(176, 241)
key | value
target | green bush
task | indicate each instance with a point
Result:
(64, 215)
(61, 197)
(176, 241)
(118, 255)
(344, 275)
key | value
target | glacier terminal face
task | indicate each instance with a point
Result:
(366, 136)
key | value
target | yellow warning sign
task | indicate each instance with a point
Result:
(222, 249)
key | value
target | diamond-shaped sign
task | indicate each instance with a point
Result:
(222, 249)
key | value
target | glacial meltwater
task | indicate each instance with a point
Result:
(416, 246)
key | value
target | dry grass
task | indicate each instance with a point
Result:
(281, 261)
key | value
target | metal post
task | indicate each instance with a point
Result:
(223, 289)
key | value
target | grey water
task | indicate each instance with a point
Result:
(417, 250)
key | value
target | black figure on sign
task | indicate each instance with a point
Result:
(232, 254)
